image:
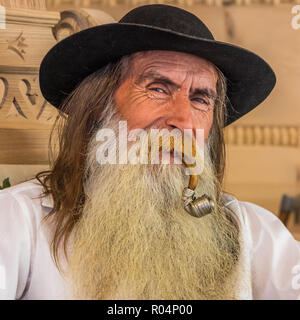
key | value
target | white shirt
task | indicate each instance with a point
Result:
(270, 259)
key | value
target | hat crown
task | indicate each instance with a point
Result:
(168, 17)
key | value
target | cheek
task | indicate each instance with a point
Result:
(204, 122)
(121, 98)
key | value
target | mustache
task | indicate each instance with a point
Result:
(115, 136)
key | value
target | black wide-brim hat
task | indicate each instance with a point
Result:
(155, 27)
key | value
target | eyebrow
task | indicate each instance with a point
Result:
(151, 75)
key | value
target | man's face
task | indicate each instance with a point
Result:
(166, 89)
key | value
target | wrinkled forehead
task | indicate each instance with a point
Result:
(170, 63)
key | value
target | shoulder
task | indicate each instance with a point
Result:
(20, 215)
(259, 225)
(24, 199)
(273, 251)
(28, 188)
(263, 223)
(252, 210)
(250, 214)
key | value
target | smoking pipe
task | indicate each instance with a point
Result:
(196, 207)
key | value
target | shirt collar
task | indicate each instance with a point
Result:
(47, 201)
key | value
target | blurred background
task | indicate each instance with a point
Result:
(263, 148)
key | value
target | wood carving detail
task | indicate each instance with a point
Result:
(21, 102)
(73, 21)
(21, 98)
(17, 45)
(287, 136)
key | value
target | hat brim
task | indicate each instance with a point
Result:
(250, 79)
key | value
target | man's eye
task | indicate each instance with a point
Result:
(200, 100)
(160, 90)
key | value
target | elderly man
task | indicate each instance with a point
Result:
(92, 230)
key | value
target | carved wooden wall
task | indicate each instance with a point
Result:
(25, 116)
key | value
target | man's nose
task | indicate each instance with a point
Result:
(180, 113)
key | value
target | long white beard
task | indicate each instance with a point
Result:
(135, 240)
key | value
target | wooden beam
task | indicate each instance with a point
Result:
(24, 146)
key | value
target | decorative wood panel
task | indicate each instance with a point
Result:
(286, 136)
(25, 116)
(26, 39)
